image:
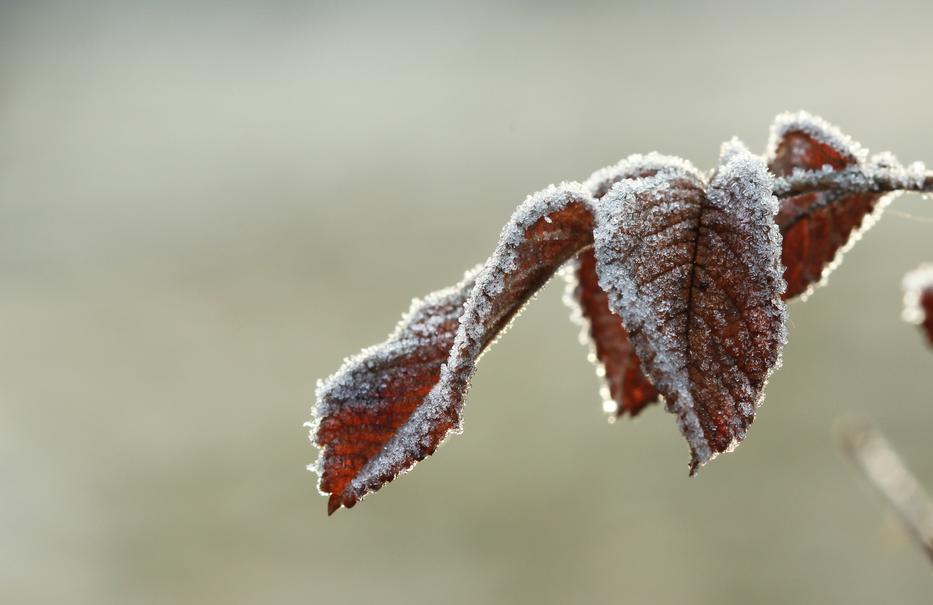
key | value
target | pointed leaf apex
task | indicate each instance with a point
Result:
(730, 149)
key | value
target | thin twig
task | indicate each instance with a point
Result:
(874, 456)
(851, 181)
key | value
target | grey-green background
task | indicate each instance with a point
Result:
(205, 207)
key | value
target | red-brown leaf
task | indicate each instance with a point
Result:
(360, 408)
(817, 226)
(627, 389)
(918, 299)
(392, 405)
(695, 275)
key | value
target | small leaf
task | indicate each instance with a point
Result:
(695, 275)
(818, 226)
(918, 299)
(361, 407)
(391, 406)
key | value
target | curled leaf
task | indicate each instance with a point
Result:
(392, 405)
(918, 299)
(694, 273)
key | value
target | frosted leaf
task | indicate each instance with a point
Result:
(802, 140)
(392, 405)
(679, 288)
(694, 272)
(360, 407)
(819, 226)
(626, 389)
(918, 299)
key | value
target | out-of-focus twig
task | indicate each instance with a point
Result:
(874, 456)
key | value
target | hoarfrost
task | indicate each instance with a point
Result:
(817, 128)
(881, 172)
(419, 322)
(634, 166)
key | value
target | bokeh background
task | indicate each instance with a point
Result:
(205, 206)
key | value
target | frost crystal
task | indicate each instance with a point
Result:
(730, 149)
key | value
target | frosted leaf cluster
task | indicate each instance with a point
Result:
(686, 275)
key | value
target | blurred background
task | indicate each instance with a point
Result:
(205, 207)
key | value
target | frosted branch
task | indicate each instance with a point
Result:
(854, 181)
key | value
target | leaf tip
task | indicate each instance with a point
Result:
(730, 149)
(695, 464)
(802, 135)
